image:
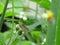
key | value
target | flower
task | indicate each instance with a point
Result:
(44, 41)
(50, 16)
(50, 0)
(44, 16)
(17, 25)
(21, 16)
(21, 13)
(9, 5)
(25, 18)
(14, 31)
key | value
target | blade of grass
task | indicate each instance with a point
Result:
(3, 14)
(58, 32)
(58, 24)
(51, 33)
(12, 23)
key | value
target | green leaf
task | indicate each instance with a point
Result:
(36, 1)
(45, 4)
(58, 32)
(15, 42)
(36, 34)
(2, 41)
(51, 33)
(9, 13)
(1, 8)
(58, 22)
(18, 42)
(27, 43)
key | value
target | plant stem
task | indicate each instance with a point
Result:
(12, 23)
(3, 14)
(36, 11)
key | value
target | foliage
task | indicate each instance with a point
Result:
(31, 30)
(43, 3)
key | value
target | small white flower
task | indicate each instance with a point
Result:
(21, 16)
(44, 41)
(14, 31)
(44, 15)
(50, 0)
(21, 13)
(22, 32)
(17, 25)
(24, 18)
(9, 5)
